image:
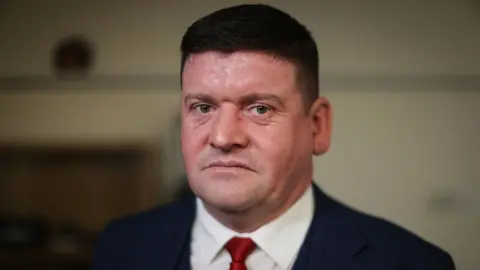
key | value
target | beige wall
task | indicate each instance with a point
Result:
(79, 116)
(406, 149)
(142, 36)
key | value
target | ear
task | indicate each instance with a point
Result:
(321, 118)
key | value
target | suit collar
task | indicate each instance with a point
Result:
(335, 224)
(333, 239)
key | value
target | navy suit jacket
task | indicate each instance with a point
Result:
(339, 238)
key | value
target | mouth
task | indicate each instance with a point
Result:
(228, 165)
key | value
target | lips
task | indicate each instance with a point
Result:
(229, 164)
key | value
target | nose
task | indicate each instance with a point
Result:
(228, 131)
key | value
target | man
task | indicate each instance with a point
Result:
(251, 120)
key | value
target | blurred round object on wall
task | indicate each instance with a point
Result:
(73, 57)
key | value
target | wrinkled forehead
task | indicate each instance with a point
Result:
(238, 70)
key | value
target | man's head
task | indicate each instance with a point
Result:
(258, 28)
(251, 114)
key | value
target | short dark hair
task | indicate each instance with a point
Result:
(261, 28)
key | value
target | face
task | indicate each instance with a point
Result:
(247, 139)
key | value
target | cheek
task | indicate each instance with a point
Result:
(282, 147)
(193, 141)
(276, 146)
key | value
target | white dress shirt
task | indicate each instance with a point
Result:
(278, 242)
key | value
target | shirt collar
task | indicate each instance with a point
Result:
(280, 239)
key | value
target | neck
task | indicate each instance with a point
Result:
(256, 216)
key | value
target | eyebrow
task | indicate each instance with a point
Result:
(246, 99)
(202, 97)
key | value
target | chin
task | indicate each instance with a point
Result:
(229, 198)
(230, 191)
(230, 206)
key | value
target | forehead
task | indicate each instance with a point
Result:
(237, 71)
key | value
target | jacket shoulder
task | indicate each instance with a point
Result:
(122, 233)
(406, 247)
(161, 216)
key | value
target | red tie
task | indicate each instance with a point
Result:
(239, 249)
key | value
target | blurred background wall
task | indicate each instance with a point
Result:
(403, 78)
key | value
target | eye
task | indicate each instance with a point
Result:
(260, 109)
(202, 108)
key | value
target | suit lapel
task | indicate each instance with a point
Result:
(165, 244)
(333, 240)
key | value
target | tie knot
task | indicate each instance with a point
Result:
(239, 249)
